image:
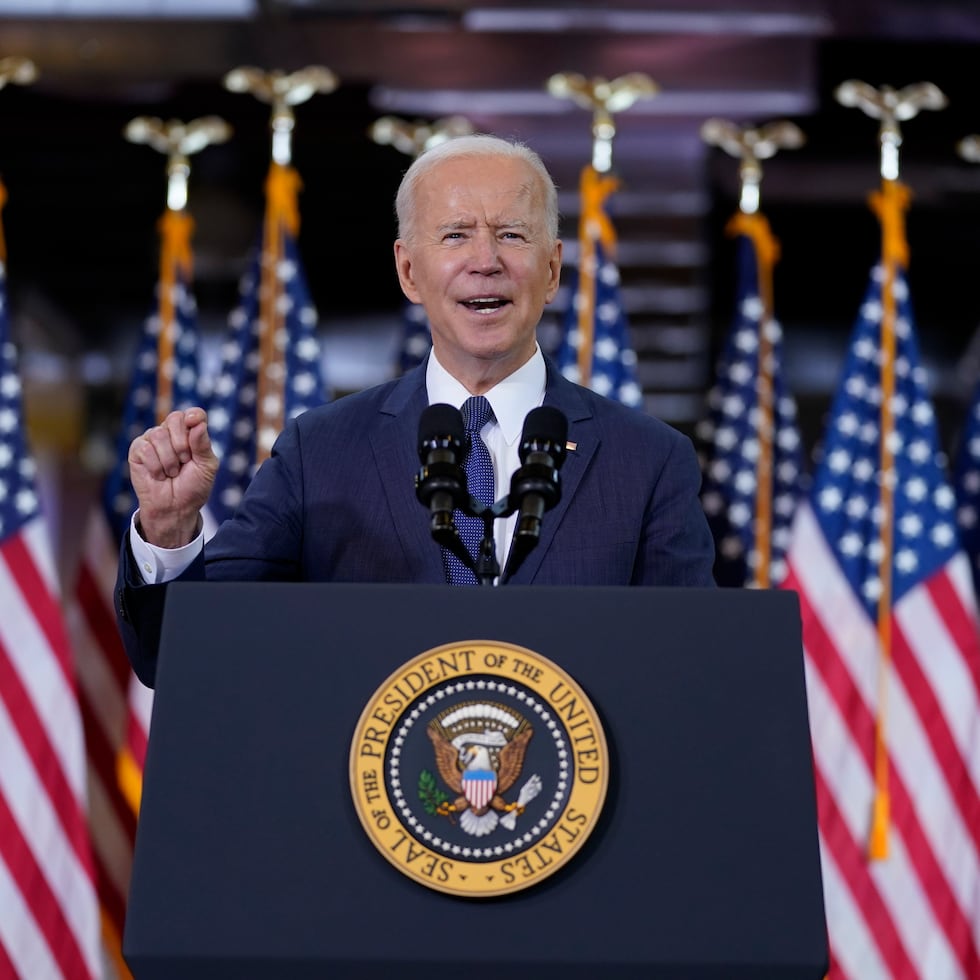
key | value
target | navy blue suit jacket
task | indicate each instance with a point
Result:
(336, 502)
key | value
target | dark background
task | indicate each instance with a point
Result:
(83, 202)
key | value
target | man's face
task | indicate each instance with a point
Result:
(482, 263)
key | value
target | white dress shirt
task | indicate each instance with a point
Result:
(511, 400)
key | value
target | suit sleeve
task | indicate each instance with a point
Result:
(676, 546)
(139, 612)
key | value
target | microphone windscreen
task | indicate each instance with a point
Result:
(545, 428)
(441, 422)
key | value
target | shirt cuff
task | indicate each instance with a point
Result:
(158, 565)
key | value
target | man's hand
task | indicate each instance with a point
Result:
(172, 468)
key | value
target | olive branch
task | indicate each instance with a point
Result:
(429, 792)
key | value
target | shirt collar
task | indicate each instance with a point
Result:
(511, 399)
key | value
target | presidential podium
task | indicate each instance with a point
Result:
(251, 860)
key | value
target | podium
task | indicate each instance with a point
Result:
(251, 861)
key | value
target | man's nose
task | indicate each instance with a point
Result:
(486, 252)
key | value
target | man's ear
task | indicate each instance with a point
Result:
(403, 266)
(554, 265)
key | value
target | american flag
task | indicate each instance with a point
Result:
(966, 480)
(271, 358)
(49, 911)
(416, 338)
(892, 665)
(752, 456)
(116, 706)
(595, 349)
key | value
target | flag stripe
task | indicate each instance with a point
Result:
(849, 859)
(112, 848)
(49, 911)
(859, 955)
(910, 756)
(101, 621)
(903, 907)
(37, 850)
(960, 622)
(38, 747)
(945, 751)
(842, 758)
(103, 672)
(22, 944)
(38, 600)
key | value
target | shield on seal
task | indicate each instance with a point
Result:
(479, 785)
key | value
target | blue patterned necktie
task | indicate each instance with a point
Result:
(479, 480)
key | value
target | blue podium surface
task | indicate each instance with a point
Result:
(251, 860)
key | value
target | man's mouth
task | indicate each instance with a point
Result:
(485, 304)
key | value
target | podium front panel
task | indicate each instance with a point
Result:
(251, 861)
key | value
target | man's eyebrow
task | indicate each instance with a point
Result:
(458, 223)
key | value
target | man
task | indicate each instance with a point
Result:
(478, 247)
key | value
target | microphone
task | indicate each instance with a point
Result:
(440, 484)
(534, 487)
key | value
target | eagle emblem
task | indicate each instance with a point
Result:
(479, 752)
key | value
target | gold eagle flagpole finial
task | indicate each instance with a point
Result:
(969, 148)
(282, 91)
(604, 98)
(751, 146)
(891, 107)
(177, 141)
(17, 71)
(412, 137)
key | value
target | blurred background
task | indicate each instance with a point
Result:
(84, 261)
(83, 201)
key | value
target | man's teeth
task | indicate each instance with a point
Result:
(484, 303)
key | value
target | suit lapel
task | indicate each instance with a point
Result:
(395, 445)
(583, 433)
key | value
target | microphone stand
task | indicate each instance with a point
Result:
(485, 568)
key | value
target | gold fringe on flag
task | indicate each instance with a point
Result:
(890, 204)
(176, 229)
(594, 226)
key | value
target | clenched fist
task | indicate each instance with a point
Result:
(172, 468)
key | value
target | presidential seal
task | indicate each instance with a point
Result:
(479, 768)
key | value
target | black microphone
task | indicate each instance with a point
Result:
(441, 483)
(534, 487)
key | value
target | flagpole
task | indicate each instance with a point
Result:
(178, 141)
(751, 146)
(603, 98)
(890, 204)
(282, 91)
